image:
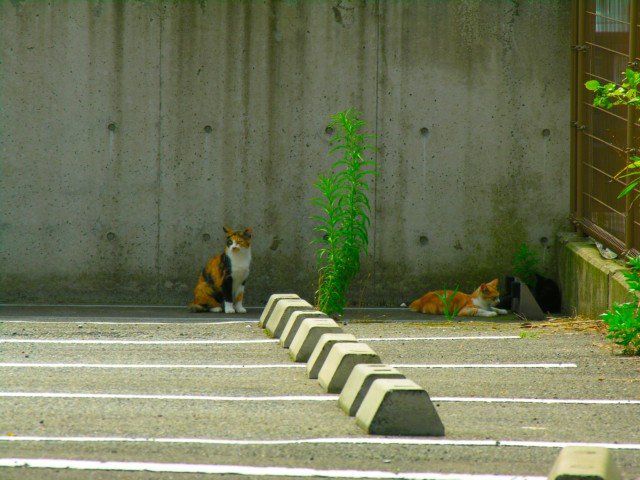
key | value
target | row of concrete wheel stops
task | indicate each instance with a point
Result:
(382, 399)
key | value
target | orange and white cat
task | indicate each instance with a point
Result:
(480, 303)
(221, 282)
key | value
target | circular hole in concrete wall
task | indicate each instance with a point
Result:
(544, 240)
(206, 237)
(424, 131)
(111, 236)
(424, 240)
(329, 130)
(207, 129)
(112, 127)
(546, 132)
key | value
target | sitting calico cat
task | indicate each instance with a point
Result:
(221, 282)
(480, 303)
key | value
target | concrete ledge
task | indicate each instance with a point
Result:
(590, 284)
(588, 463)
(360, 381)
(320, 353)
(308, 335)
(341, 360)
(292, 326)
(271, 304)
(280, 316)
(398, 407)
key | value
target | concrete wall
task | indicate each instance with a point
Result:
(590, 284)
(132, 131)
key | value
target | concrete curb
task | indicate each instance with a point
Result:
(292, 326)
(271, 304)
(309, 333)
(382, 399)
(588, 463)
(282, 312)
(360, 381)
(320, 353)
(398, 407)
(342, 358)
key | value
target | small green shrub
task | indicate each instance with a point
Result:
(345, 208)
(525, 265)
(450, 312)
(623, 320)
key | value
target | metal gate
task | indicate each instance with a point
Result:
(605, 37)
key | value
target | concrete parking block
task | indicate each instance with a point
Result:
(320, 353)
(360, 381)
(340, 362)
(271, 304)
(309, 333)
(292, 326)
(398, 407)
(592, 463)
(281, 314)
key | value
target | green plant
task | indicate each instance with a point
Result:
(609, 95)
(446, 297)
(623, 320)
(345, 208)
(525, 265)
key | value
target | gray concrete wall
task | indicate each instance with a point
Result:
(132, 131)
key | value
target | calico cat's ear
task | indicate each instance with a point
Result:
(227, 230)
(248, 232)
(493, 282)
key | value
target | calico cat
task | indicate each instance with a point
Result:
(480, 303)
(221, 282)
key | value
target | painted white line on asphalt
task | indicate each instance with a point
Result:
(133, 342)
(327, 440)
(65, 341)
(307, 398)
(275, 365)
(244, 470)
(151, 365)
(486, 365)
(176, 321)
(549, 401)
(478, 337)
(216, 398)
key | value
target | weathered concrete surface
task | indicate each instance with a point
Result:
(590, 284)
(132, 131)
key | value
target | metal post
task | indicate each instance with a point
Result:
(582, 6)
(631, 114)
(574, 118)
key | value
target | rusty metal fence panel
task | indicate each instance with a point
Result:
(605, 36)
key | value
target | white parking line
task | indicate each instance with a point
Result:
(328, 440)
(274, 366)
(151, 321)
(307, 398)
(215, 398)
(244, 470)
(65, 341)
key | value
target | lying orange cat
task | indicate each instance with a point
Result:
(480, 303)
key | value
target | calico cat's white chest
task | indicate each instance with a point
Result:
(240, 262)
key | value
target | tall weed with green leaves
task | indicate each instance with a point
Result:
(343, 222)
(446, 297)
(525, 265)
(623, 320)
